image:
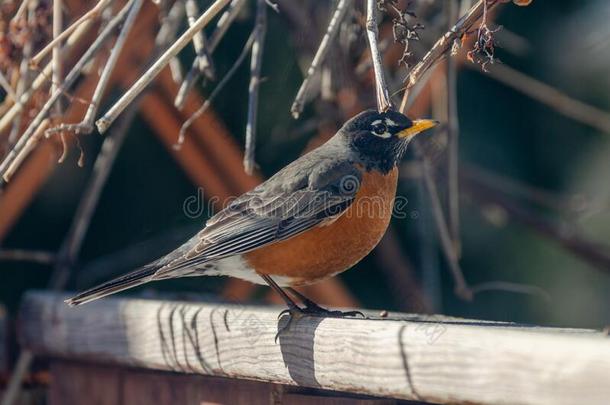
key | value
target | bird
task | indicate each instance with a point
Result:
(313, 219)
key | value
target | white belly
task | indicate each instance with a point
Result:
(237, 267)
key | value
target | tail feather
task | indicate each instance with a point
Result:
(135, 278)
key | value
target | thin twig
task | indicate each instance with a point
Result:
(21, 367)
(561, 232)
(204, 61)
(194, 72)
(187, 84)
(331, 33)
(383, 98)
(56, 56)
(28, 147)
(511, 287)
(22, 7)
(443, 45)
(519, 190)
(34, 256)
(428, 247)
(224, 22)
(255, 81)
(555, 99)
(404, 286)
(202, 64)
(89, 15)
(453, 142)
(167, 34)
(56, 68)
(42, 78)
(86, 125)
(24, 72)
(71, 246)
(68, 81)
(104, 122)
(6, 86)
(217, 89)
(462, 289)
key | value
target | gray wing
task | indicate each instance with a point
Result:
(296, 199)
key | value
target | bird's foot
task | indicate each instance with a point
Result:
(311, 309)
(293, 313)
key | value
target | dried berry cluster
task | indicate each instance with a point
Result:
(403, 29)
(483, 49)
(18, 31)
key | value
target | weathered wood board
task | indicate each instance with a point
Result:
(434, 359)
(78, 383)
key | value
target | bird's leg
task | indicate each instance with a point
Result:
(293, 311)
(309, 304)
(291, 304)
(314, 309)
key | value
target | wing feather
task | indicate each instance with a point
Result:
(270, 213)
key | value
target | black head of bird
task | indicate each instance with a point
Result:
(380, 139)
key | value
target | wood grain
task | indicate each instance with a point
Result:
(432, 358)
(75, 383)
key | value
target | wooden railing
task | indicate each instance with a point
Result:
(401, 357)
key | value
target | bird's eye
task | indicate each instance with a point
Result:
(380, 129)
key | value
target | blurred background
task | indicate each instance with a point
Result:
(534, 141)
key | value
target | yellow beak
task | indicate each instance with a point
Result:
(417, 127)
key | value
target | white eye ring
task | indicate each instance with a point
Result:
(381, 130)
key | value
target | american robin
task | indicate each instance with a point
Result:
(313, 219)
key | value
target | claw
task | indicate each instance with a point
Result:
(296, 313)
(351, 313)
(293, 313)
(314, 309)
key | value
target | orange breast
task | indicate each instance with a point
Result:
(330, 249)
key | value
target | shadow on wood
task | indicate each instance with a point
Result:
(427, 358)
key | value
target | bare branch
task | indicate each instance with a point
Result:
(203, 60)
(68, 81)
(453, 145)
(511, 287)
(444, 44)
(104, 122)
(331, 32)
(202, 64)
(194, 73)
(42, 78)
(167, 34)
(187, 84)
(71, 246)
(217, 89)
(89, 15)
(561, 232)
(383, 98)
(555, 99)
(6, 86)
(255, 80)
(27, 148)
(86, 125)
(22, 7)
(34, 256)
(24, 73)
(462, 289)
(13, 388)
(225, 21)
(56, 56)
